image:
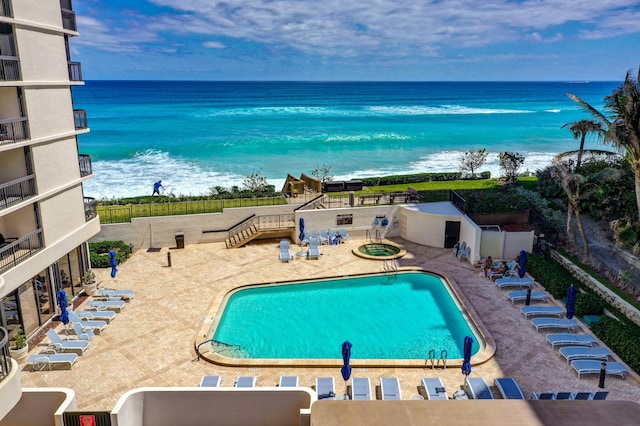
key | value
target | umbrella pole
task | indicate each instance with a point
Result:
(346, 395)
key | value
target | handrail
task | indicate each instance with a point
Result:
(17, 190)
(5, 358)
(307, 203)
(20, 250)
(457, 200)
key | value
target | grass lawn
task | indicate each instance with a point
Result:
(526, 182)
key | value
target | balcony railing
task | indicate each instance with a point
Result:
(80, 118)
(69, 20)
(20, 250)
(66, 4)
(90, 208)
(85, 165)
(10, 69)
(5, 8)
(17, 191)
(75, 71)
(14, 130)
(5, 360)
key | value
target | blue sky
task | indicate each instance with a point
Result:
(389, 40)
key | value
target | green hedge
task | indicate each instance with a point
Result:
(417, 178)
(589, 304)
(621, 337)
(555, 279)
(98, 253)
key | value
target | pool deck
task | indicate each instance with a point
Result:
(150, 343)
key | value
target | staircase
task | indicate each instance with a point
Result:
(255, 227)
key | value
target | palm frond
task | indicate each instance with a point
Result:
(597, 116)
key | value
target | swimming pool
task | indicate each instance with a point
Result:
(385, 316)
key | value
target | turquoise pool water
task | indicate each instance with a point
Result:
(384, 316)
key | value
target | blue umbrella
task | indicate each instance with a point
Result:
(522, 269)
(346, 368)
(114, 263)
(62, 302)
(466, 363)
(571, 300)
(301, 236)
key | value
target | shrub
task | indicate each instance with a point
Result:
(621, 337)
(553, 277)
(98, 253)
(406, 179)
(589, 304)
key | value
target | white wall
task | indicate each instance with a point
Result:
(9, 107)
(62, 214)
(506, 245)
(50, 111)
(43, 56)
(41, 11)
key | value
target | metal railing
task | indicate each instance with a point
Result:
(90, 208)
(80, 119)
(85, 164)
(14, 130)
(20, 250)
(246, 228)
(5, 358)
(69, 20)
(5, 8)
(75, 71)
(66, 4)
(10, 69)
(17, 191)
(457, 200)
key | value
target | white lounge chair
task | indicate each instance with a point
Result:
(59, 345)
(314, 249)
(343, 233)
(285, 255)
(514, 282)
(95, 326)
(564, 396)
(284, 245)
(309, 236)
(478, 388)
(210, 381)
(508, 388)
(113, 293)
(288, 381)
(464, 254)
(390, 388)
(543, 395)
(325, 388)
(246, 382)
(42, 361)
(434, 388)
(530, 311)
(521, 296)
(111, 305)
(81, 332)
(543, 323)
(582, 396)
(571, 353)
(360, 389)
(599, 395)
(568, 339)
(586, 366)
(324, 238)
(103, 315)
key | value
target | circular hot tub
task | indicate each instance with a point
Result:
(379, 251)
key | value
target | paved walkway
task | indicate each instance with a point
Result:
(150, 343)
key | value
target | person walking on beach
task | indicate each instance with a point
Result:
(156, 188)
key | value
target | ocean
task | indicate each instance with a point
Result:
(198, 135)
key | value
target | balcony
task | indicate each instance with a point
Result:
(90, 208)
(9, 69)
(80, 118)
(16, 191)
(18, 251)
(85, 165)
(14, 130)
(66, 5)
(69, 20)
(5, 8)
(75, 71)
(5, 360)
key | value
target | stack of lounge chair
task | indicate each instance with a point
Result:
(566, 395)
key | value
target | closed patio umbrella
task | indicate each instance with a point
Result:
(571, 301)
(466, 362)
(62, 303)
(522, 268)
(114, 263)
(301, 236)
(346, 367)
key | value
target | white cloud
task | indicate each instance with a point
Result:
(213, 45)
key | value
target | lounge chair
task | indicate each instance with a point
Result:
(309, 236)
(94, 326)
(285, 255)
(360, 388)
(530, 311)
(81, 332)
(434, 388)
(113, 293)
(542, 323)
(288, 381)
(464, 254)
(599, 395)
(543, 395)
(111, 305)
(284, 245)
(572, 353)
(508, 388)
(210, 381)
(390, 388)
(246, 382)
(477, 388)
(59, 345)
(343, 233)
(42, 361)
(563, 396)
(323, 237)
(586, 366)
(567, 339)
(514, 282)
(325, 388)
(314, 249)
(104, 315)
(582, 396)
(521, 296)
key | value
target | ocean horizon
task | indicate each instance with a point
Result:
(195, 135)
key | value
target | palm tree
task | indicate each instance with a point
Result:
(622, 126)
(580, 129)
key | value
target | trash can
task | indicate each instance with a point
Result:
(180, 240)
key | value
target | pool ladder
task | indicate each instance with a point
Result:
(390, 266)
(436, 362)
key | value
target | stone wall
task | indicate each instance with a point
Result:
(607, 295)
